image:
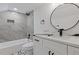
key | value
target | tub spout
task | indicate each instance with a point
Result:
(28, 36)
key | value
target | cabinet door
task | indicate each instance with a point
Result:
(54, 48)
(37, 46)
(73, 51)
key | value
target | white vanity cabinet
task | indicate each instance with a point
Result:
(73, 50)
(54, 48)
(47, 47)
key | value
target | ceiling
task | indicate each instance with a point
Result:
(19, 7)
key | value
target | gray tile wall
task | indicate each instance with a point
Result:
(16, 30)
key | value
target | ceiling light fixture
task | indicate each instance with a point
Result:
(15, 9)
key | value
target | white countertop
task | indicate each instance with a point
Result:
(68, 40)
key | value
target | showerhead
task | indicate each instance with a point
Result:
(27, 14)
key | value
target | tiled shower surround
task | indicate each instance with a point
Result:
(13, 31)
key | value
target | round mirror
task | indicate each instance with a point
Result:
(65, 16)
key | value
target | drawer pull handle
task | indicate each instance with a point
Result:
(52, 53)
(49, 52)
(36, 40)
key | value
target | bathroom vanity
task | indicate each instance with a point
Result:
(62, 20)
(56, 45)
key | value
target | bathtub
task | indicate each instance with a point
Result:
(11, 47)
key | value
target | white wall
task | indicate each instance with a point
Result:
(44, 12)
(3, 6)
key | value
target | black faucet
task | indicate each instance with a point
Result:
(60, 32)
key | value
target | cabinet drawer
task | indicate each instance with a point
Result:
(73, 50)
(55, 47)
(37, 46)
